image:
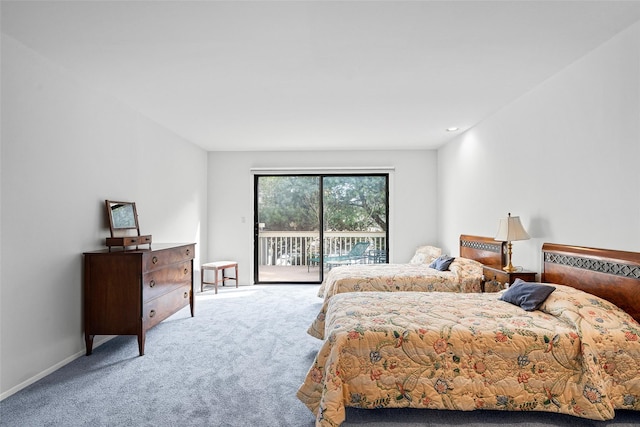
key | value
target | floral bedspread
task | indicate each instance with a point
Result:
(464, 275)
(578, 355)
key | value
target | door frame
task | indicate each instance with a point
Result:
(321, 175)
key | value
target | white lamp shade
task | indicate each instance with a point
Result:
(510, 229)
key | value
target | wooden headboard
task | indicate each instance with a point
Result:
(485, 250)
(609, 274)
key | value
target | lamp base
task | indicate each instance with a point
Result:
(509, 268)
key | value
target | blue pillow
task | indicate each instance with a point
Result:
(528, 295)
(442, 263)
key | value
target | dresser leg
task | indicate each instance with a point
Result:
(192, 301)
(88, 340)
(141, 337)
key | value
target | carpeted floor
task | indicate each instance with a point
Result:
(238, 362)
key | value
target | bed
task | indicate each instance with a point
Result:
(578, 354)
(463, 275)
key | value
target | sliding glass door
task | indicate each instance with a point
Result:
(287, 228)
(307, 224)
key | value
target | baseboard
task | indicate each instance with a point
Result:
(40, 375)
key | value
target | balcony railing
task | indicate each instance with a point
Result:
(298, 247)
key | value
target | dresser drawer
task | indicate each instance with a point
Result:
(158, 259)
(161, 281)
(158, 309)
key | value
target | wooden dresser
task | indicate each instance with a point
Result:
(129, 292)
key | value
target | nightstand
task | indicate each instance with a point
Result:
(495, 278)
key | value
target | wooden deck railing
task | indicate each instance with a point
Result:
(297, 247)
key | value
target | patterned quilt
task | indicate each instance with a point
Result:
(464, 275)
(577, 355)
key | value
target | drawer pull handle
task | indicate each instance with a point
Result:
(188, 251)
(186, 270)
(154, 260)
(152, 313)
(152, 283)
(186, 294)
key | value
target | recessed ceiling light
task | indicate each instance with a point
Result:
(452, 129)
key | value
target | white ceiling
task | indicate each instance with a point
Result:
(308, 75)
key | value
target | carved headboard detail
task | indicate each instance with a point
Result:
(486, 250)
(597, 265)
(609, 274)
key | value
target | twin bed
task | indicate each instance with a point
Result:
(464, 274)
(578, 354)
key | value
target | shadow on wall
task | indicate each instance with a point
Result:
(539, 228)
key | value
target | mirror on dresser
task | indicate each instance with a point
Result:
(123, 223)
(122, 216)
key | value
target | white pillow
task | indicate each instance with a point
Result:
(425, 255)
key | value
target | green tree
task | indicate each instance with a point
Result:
(351, 203)
(288, 202)
(355, 203)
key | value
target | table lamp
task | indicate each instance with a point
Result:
(510, 229)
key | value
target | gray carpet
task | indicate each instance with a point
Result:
(239, 362)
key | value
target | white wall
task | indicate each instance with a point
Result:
(412, 197)
(564, 157)
(65, 149)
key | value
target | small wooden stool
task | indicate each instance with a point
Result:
(215, 266)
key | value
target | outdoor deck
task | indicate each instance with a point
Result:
(283, 255)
